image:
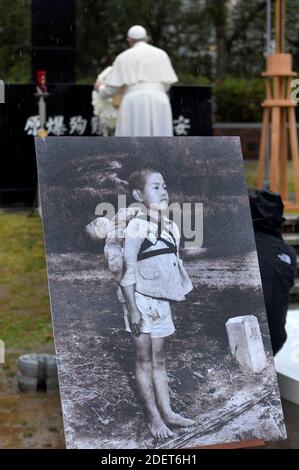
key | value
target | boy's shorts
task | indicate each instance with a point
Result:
(156, 316)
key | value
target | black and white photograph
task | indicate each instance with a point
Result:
(160, 327)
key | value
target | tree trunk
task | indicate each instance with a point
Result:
(218, 13)
(221, 52)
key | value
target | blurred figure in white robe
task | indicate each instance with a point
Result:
(143, 74)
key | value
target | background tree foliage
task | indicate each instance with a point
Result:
(175, 25)
(15, 40)
(209, 41)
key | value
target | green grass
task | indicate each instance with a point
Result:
(250, 167)
(25, 320)
(251, 173)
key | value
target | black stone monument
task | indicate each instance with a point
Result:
(53, 39)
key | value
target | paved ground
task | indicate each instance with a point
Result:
(27, 420)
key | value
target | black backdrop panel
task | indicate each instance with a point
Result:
(17, 162)
(192, 110)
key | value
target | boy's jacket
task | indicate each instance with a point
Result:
(162, 276)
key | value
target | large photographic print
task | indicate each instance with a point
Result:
(159, 319)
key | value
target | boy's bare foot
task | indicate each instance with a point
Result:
(158, 429)
(177, 420)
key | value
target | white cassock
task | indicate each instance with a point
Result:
(146, 74)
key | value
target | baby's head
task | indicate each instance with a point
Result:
(148, 187)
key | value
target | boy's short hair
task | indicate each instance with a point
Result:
(137, 179)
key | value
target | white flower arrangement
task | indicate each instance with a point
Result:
(104, 108)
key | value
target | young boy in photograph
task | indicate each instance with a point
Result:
(153, 275)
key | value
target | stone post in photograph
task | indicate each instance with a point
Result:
(245, 342)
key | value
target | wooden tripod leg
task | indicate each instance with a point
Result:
(294, 150)
(275, 148)
(263, 149)
(283, 155)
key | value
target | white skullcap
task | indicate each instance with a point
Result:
(137, 32)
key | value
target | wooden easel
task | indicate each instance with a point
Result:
(236, 445)
(279, 119)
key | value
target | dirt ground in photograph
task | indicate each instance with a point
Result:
(100, 398)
